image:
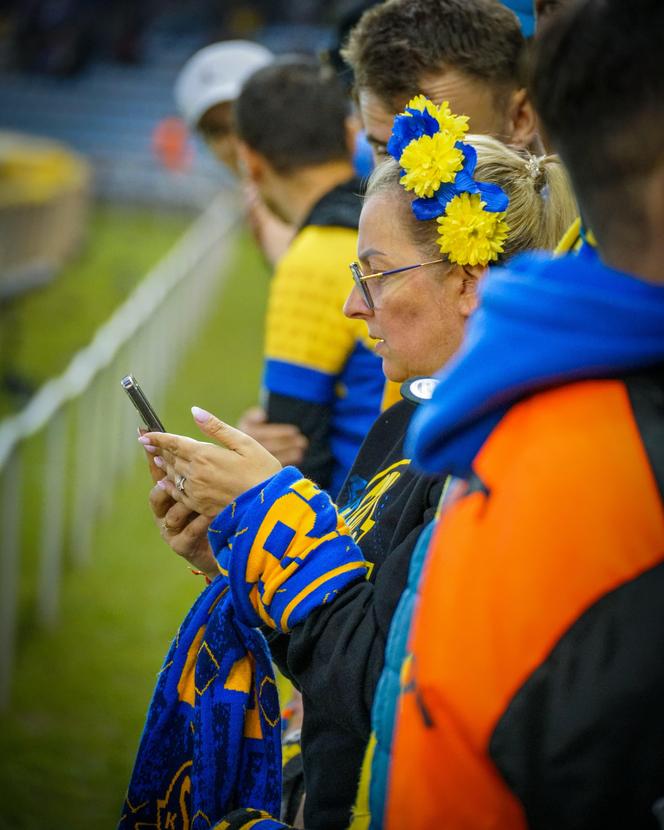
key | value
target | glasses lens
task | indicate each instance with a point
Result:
(360, 284)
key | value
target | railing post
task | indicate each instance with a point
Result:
(53, 516)
(10, 511)
(153, 327)
(83, 482)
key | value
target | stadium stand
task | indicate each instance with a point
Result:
(109, 113)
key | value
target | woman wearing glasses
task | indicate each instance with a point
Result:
(415, 286)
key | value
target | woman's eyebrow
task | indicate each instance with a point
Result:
(371, 252)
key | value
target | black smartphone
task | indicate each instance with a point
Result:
(142, 404)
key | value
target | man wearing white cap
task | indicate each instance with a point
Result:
(205, 92)
(207, 86)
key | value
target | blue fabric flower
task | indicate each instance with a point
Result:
(434, 206)
(464, 181)
(408, 128)
(494, 197)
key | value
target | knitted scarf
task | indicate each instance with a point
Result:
(212, 741)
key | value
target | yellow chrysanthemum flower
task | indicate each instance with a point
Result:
(470, 235)
(429, 162)
(456, 125)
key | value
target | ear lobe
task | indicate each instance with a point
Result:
(523, 119)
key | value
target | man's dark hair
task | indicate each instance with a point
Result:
(294, 115)
(398, 42)
(346, 23)
(544, 9)
(597, 81)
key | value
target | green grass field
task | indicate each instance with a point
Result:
(81, 691)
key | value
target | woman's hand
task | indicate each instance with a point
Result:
(183, 531)
(206, 477)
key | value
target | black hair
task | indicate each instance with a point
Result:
(293, 114)
(397, 42)
(342, 30)
(545, 8)
(597, 81)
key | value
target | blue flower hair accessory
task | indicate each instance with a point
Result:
(439, 167)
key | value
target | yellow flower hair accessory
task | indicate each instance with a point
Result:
(455, 125)
(429, 162)
(438, 167)
(468, 234)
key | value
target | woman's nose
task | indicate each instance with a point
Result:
(355, 306)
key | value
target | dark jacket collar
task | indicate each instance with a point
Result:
(339, 207)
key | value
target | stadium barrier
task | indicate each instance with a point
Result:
(83, 418)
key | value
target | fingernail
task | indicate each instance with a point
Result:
(200, 415)
(144, 440)
(150, 448)
(159, 461)
(162, 483)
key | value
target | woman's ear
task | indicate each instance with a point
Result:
(470, 279)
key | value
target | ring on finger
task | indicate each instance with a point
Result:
(180, 482)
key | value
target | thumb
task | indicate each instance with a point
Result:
(227, 436)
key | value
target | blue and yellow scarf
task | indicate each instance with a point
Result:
(211, 741)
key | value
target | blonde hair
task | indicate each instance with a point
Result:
(541, 205)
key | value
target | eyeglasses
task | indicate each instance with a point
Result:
(360, 279)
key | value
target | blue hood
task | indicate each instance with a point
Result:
(541, 323)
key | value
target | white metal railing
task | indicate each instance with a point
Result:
(84, 420)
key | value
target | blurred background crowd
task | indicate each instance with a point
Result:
(88, 123)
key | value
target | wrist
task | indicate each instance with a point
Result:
(230, 519)
(287, 540)
(209, 575)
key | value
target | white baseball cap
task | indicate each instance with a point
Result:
(216, 74)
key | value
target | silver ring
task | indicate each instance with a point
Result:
(179, 483)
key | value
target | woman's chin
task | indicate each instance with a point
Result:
(393, 372)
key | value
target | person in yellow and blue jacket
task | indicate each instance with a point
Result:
(321, 373)
(328, 577)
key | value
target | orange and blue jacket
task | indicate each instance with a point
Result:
(534, 693)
